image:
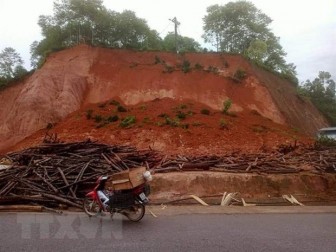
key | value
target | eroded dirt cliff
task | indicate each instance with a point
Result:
(265, 109)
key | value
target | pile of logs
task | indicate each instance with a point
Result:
(304, 159)
(56, 174)
(61, 173)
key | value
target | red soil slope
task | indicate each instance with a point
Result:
(198, 133)
(75, 80)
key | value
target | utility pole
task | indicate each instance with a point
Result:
(176, 24)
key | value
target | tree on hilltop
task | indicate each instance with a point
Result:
(10, 60)
(239, 27)
(322, 92)
(11, 66)
(186, 44)
(88, 21)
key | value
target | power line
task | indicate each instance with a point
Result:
(179, 32)
(164, 29)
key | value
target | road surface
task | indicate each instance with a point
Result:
(182, 232)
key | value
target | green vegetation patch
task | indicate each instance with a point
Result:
(128, 121)
(212, 69)
(198, 66)
(223, 124)
(325, 141)
(112, 118)
(226, 106)
(181, 115)
(239, 75)
(98, 118)
(186, 66)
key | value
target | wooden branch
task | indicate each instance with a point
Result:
(60, 199)
(61, 173)
(66, 181)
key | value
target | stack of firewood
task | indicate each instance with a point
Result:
(61, 173)
(303, 159)
(56, 174)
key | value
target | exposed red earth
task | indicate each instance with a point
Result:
(197, 134)
(77, 91)
(265, 109)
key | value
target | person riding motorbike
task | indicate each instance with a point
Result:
(102, 193)
(129, 201)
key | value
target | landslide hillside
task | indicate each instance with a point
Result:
(160, 100)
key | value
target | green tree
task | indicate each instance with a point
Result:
(257, 50)
(185, 44)
(239, 27)
(78, 19)
(321, 91)
(234, 26)
(288, 71)
(73, 22)
(88, 21)
(133, 32)
(11, 67)
(20, 71)
(34, 56)
(10, 63)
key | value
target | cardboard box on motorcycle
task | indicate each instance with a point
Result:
(126, 179)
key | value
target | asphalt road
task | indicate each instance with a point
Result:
(186, 232)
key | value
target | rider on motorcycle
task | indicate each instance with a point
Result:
(102, 193)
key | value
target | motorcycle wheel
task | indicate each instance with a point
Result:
(136, 213)
(91, 207)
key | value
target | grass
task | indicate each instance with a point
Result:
(186, 66)
(223, 124)
(112, 118)
(325, 141)
(212, 69)
(181, 115)
(128, 121)
(172, 122)
(98, 118)
(226, 106)
(198, 66)
(239, 75)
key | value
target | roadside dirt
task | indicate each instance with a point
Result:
(308, 187)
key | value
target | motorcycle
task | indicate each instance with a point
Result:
(130, 203)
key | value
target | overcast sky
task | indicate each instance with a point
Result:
(307, 29)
